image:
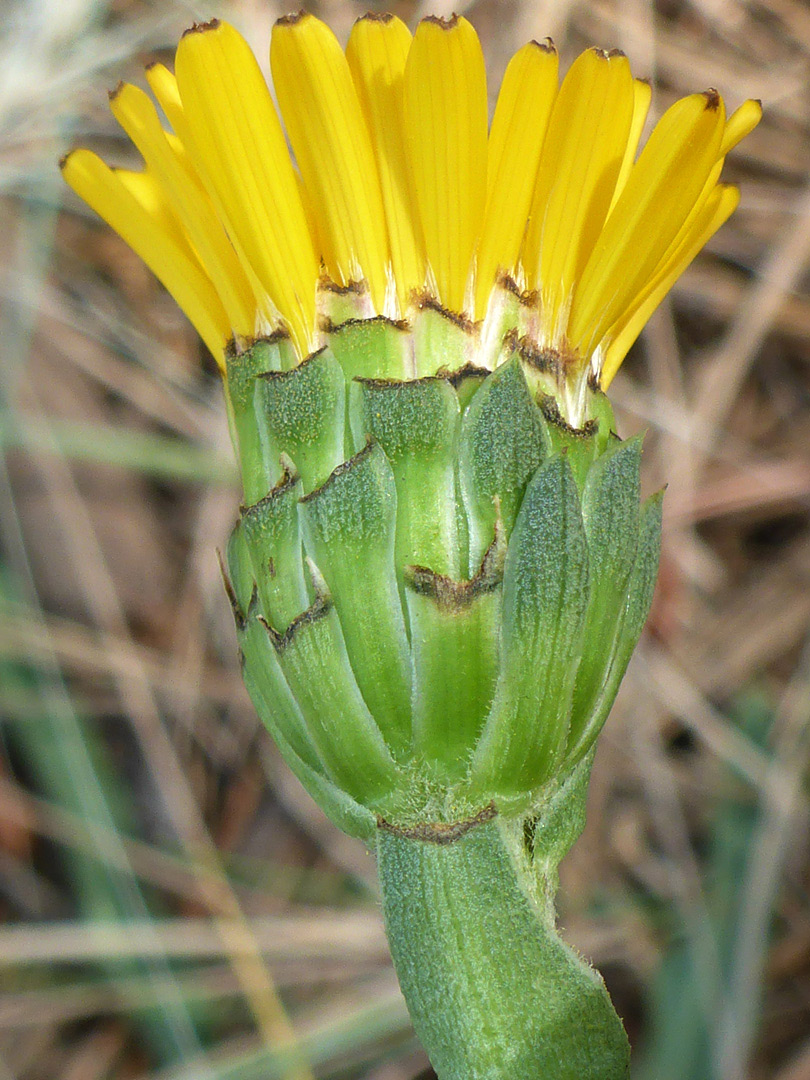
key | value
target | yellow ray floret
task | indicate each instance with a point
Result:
(660, 192)
(149, 237)
(332, 146)
(642, 95)
(238, 146)
(580, 164)
(516, 139)
(377, 52)
(138, 117)
(446, 132)
(716, 210)
(386, 173)
(163, 85)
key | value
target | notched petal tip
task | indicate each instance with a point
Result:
(546, 45)
(293, 18)
(607, 54)
(384, 17)
(201, 28)
(113, 94)
(442, 22)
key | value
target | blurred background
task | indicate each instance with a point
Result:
(173, 906)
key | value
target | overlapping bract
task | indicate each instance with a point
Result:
(398, 182)
(437, 584)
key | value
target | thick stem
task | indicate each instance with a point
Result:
(493, 992)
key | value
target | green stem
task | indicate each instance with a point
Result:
(493, 992)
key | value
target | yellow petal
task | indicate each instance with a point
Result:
(332, 146)
(112, 199)
(377, 51)
(152, 197)
(312, 219)
(163, 85)
(582, 155)
(642, 95)
(137, 116)
(741, 123)
(661, 191)
(232, 131)
(167, 94)
(716, 210)
(446, 129)
(518, 129)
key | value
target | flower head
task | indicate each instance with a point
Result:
(443, 563)
(548, 222)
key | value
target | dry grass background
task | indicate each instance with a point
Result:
(173, 905)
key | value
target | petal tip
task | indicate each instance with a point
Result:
(607, 54)
(713, 99)
(443, 23)
(202, 27)
(294, 18)
(384, 17)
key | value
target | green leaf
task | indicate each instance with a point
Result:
(349, 526)
(302, 415)
(416, 424)
(545, 599)
(273, 536)
(610, 510)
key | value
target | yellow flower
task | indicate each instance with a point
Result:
(394, 178)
